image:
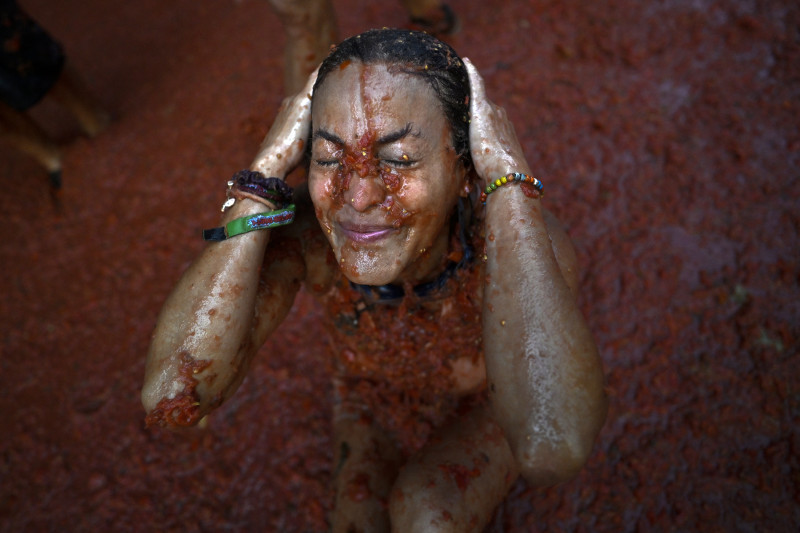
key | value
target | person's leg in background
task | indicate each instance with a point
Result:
(33, 67)
(432, 16)
(20, 131)
(310, 31)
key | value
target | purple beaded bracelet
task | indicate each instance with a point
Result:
(252, 184)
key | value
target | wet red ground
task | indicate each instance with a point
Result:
(667, 136)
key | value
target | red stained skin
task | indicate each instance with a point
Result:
(530, 191)
(358, 487)
(361, 159)
(462, 475)
(182, 410)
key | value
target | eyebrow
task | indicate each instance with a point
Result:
(397, 135)
(385, 139)
(328, 136)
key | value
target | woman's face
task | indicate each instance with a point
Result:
(384, 176)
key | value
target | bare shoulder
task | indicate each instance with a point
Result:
(563, 249)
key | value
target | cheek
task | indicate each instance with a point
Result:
(337, 185)
(397, 213)
(418, 207)
(391, 179)
(317, 189)
(434, 206)
(327, 186)
(428, 224)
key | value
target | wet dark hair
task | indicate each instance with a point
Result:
(418, 54)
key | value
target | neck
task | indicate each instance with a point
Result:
(435, 279)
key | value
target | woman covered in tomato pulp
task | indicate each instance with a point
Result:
(459, 356)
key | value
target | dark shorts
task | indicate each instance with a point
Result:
(30, 60)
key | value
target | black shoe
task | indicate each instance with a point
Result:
(55, 178)
(445, 22)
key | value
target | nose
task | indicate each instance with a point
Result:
(364, 192)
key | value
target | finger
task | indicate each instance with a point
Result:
(306, 93)
(296, 102)
(303, 123)
(301, 107)
(478, 133)
(309, 86)
(477, 88)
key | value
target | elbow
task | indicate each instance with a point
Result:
(150, 396)
(180, 395)
(181, 411)
(547, 464)
(558, 456)
(171, 405)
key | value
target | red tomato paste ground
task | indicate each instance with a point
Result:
(666, 133)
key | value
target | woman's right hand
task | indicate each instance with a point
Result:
(283, 147)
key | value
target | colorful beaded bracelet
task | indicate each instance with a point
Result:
(270, 219)
(512, 178)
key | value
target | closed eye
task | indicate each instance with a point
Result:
(327, 162)
(399, 163)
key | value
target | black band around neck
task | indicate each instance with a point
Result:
(393, 291)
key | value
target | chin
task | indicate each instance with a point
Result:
(367, 279)
(369, 268)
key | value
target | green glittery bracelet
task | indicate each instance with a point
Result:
(270, 219)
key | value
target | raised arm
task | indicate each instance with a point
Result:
(223, 307)
(544, 373)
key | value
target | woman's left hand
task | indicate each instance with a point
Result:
(493, 143)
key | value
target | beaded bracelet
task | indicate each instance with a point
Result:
(512, 178)
(271, 219)
(272, 192)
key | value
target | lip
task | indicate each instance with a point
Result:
(365, 233)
